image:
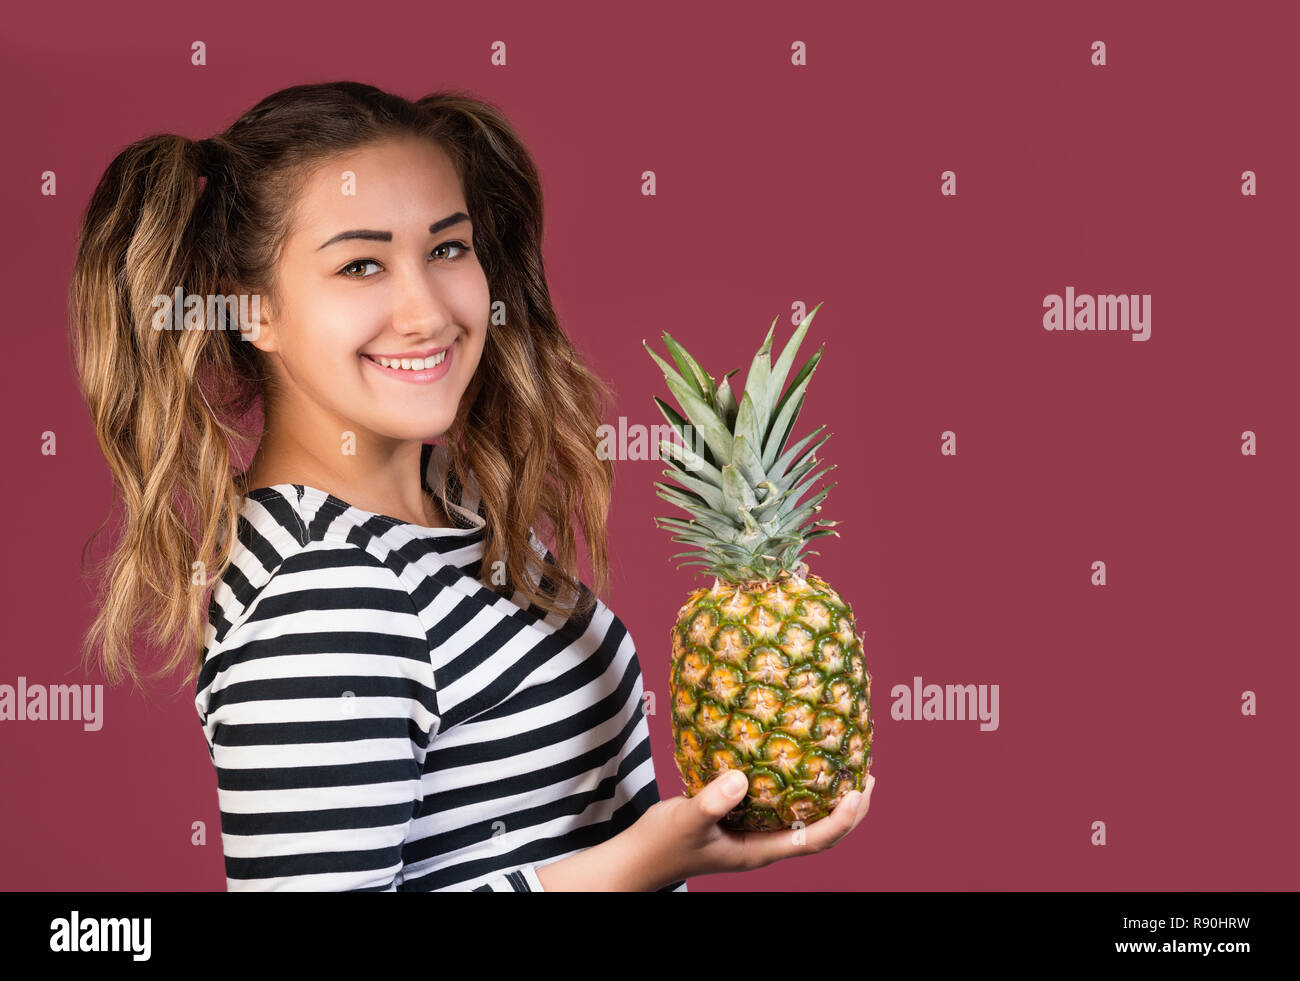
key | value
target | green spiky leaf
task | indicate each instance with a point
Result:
(742, 483)
(692, 371)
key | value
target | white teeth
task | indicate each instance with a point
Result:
(413, 364)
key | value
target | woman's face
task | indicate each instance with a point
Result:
(378, 266)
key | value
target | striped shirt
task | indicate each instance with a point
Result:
(381, 721)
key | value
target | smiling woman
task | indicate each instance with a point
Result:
(401, 686)
(346, 326)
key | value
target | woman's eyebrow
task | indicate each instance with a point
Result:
(370, 235)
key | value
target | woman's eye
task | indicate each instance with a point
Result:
(355, 263)
(459, 245)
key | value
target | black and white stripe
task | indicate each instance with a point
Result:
(379, 720)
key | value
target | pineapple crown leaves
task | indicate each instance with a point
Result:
(738, 482)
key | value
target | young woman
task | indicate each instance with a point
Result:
(402, 688)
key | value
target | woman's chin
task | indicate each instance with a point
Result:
(424, 432)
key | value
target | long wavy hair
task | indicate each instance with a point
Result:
(171, 407)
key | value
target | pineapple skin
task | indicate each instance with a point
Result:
(769, 678)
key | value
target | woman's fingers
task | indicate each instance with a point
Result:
(722, 794)
(765, 847)
(865, 804)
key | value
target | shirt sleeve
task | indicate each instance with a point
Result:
(319, 717)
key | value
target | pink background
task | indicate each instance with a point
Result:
(780, 185)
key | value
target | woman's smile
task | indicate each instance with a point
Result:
(414, 369)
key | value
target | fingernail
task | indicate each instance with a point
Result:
(735, 782)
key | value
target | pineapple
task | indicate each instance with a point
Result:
(768, 673)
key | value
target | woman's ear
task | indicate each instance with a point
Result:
(257, 321)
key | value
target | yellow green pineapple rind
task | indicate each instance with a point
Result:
(770, 678)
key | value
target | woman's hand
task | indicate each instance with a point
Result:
(684, 838)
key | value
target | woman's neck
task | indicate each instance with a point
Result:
(383, 478)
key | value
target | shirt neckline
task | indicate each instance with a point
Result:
(428, 458)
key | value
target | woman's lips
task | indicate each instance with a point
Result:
(417, 376)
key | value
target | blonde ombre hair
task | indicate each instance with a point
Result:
(170, 407)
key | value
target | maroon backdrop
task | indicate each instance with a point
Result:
(780, 186)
